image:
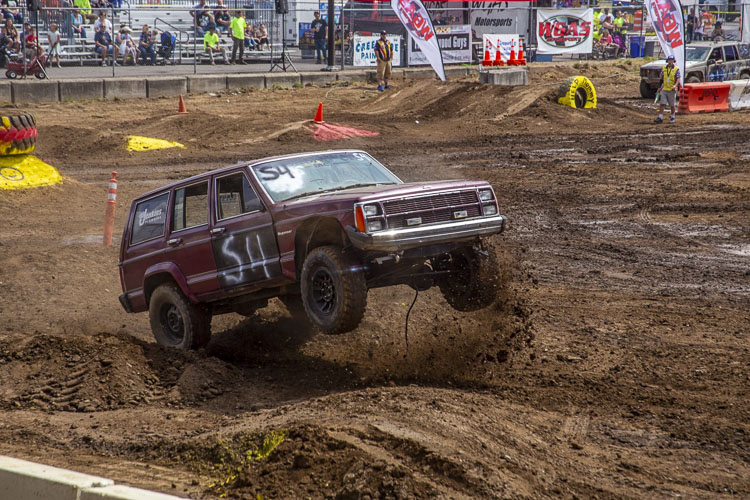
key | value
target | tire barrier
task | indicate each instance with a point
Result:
(577, 92)
(17, 134)
(739, 94)
(26, 171)
(706, 97)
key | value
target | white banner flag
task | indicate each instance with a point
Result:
(418, 24)
(666, 18)
(565, 31)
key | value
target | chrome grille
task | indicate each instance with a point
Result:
(431, 209)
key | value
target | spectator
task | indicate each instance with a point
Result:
(202, 17)
(211, 44)
(384, 56)
(104, 45)
(4, 47)
(438, 20)
(263, 37)
(603, 16)
(103, 20)
(320, 29)
(127, 45)
(608, 44)
(11, 11)
(12, 33)
(76, 25)
(690, 25)
(146, 47)
(251, 37)
(717, 35)
(619, 23)
(707, 22)
(608, 23)
(223, 19)
(238, 26)
(53, 38)
(84, 6)
(32, 49)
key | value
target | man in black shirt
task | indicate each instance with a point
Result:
(320, 28)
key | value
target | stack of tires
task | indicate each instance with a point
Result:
(17, 134)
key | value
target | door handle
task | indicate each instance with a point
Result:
(174, 242)
(218, 230)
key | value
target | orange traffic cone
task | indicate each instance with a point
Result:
(487, 61)
(181, 108)
(521, 58)
(319, 114)
(512, 59)
(498, 59)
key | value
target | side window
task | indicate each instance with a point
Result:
(730, 53)
(150, 216)
(190, 206)
(716, 54)
(235, 196)
(744, 50)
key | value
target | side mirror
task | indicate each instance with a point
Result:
(711, 61)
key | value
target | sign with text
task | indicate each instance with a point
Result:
(499, 18)
(454, 41)
(503, 43)
(667, 20)
(364, 50)
(565, 31)
(418, 23)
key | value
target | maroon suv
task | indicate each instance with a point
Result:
(321, 227)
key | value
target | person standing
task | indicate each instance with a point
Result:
(53, 38)
(320, 29)
(237, 27)
(690, 26)
(384, 55)
(670, 84)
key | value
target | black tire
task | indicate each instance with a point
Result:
(334, 292)
(13, 125)
(40, 75)
(472, 281)
(693, 79)
(745, 75)
(176, 322)
(11, 74)
(647, 91)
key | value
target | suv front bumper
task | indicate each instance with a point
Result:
(396, 240)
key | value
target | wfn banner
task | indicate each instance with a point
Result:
(418, 24)
(565, 31)
(666, 18)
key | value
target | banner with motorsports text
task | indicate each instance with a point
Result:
(565, 31)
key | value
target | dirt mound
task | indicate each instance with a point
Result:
(102, 372)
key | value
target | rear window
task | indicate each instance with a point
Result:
(190, 207)
(729, 53)
(744, 49)
(150, 216)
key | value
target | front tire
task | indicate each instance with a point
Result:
(693, 79)
(334, 290)
(647, 91)
(472, 281)
(176, 322)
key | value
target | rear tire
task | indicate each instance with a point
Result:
(693, 79)
(473, 279)
(334, 290)
(176, 322)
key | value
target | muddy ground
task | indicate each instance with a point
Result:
(616, 362)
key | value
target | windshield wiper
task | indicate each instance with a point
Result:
(364, 184)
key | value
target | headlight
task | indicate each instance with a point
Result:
(485, 194)
(371, 210)
(490, 209)
(374, 225)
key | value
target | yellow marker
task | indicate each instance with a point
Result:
(26, 171)
(138, 143)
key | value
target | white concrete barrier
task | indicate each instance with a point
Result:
(23, 480)
(739, 95)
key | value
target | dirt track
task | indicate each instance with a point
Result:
(616, 363)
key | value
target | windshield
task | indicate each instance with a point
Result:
(295, 177)
(696, 53)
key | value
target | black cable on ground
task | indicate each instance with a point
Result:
(406, 326)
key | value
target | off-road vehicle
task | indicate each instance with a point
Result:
(316, 230)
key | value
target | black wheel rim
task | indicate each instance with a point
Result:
(172, 323)
(323, 292)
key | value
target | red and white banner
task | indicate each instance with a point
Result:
(565, 31)
(666, 18)
(418, 24)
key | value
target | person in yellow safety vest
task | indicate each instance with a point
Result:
(384, 55)
(670, 84)
(619, 22)
(597, 23)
